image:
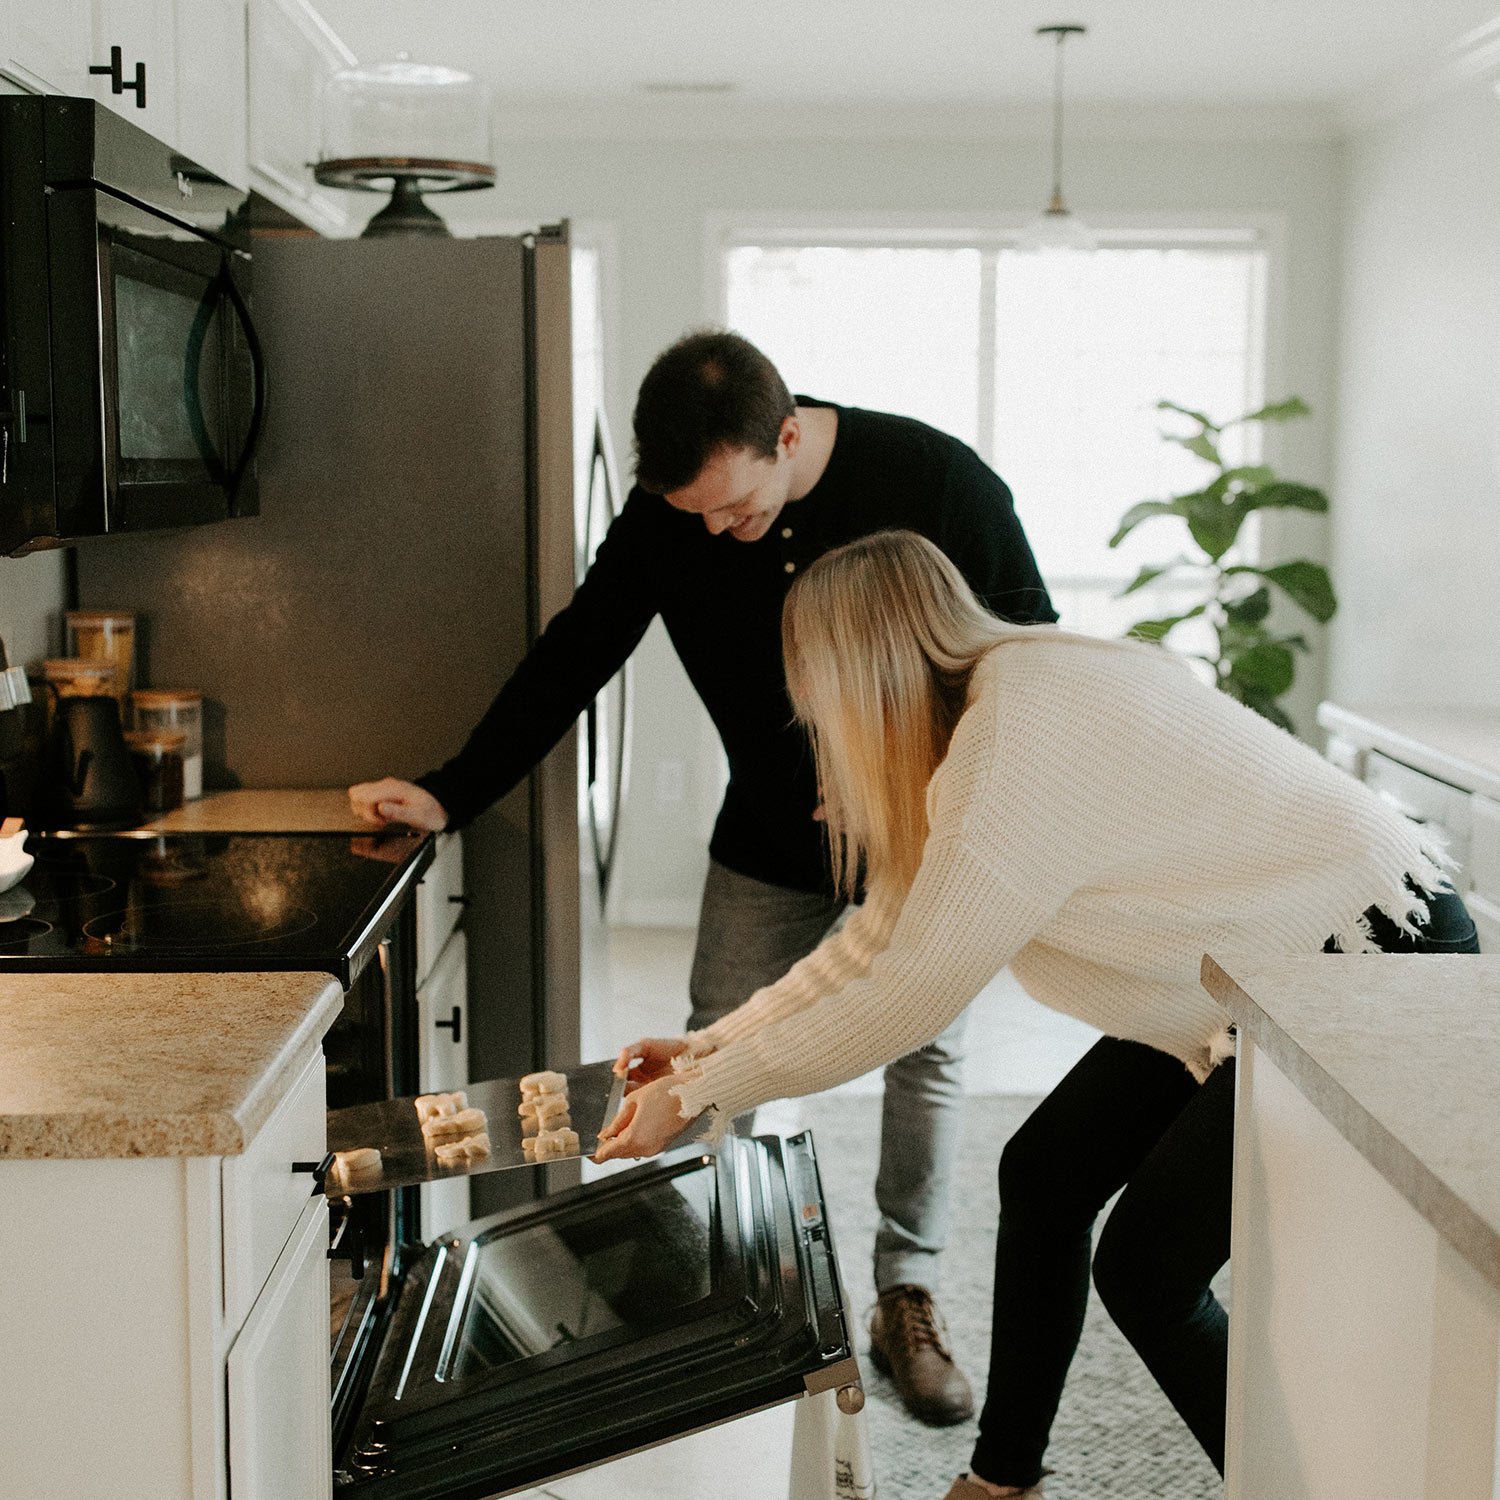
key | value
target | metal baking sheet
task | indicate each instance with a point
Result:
(406, 1158)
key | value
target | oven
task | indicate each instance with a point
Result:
(567, 1331)
(131, 380)
(596, 1322)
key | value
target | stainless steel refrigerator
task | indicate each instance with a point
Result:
(417, 530)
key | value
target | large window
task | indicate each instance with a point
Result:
(1050, 366)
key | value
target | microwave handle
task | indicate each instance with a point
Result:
(236, 300)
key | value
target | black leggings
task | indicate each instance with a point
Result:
(1125, 1116)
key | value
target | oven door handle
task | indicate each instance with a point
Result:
(235, 298)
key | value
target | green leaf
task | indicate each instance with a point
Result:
(1277, 411)
(1214, 523)
(1250, 610)
(1268, 668)
(1268, 708)
(1199, 443)
(1150, 575)
(1249, 476)
(1187, 411)
(1284, 495)
(1156, 630)
(1306, 583)
(1142, 512)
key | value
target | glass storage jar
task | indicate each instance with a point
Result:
(105, 635)
(158, 760)
(70, 677)
(176, 709)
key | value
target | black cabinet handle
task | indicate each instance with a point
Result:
(319, 1170)
(458, 900)
(118, 84)
(455, 1025)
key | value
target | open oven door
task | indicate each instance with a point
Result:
(602, 1320)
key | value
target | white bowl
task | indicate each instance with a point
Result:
(15, 862)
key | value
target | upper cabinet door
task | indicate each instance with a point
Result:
(211, 104)
(47, 47)
(144, 87)
(293, 51)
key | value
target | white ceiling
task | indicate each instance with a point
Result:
(1229, 52)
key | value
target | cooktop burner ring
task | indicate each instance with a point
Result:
(21, 931)
(193, 927)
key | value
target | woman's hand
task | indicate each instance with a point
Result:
(390, 800)
(647, 1060)
(648, 1121)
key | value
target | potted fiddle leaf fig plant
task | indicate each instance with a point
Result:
(1253, 661)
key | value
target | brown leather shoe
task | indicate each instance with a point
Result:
(908, 1343)
(964, 1488)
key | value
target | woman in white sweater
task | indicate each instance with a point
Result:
(1091, 814)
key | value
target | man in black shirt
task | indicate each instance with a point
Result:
(738, 488)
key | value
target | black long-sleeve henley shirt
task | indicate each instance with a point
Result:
(720, 600)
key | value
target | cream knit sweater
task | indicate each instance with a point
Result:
(1101, 821)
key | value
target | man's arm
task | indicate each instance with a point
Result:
(980, 531)
(583, 646)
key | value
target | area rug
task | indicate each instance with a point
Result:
(1116, 1436)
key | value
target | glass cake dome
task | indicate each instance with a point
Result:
(407, 128)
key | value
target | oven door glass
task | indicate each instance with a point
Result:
(602, 1320)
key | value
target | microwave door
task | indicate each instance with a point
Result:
(600, 1321)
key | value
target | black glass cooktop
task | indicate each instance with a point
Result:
(205, 902)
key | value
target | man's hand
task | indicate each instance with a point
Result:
(647, 1060)
(648, 1121)
(392, 801)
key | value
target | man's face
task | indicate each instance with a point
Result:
(739, 491)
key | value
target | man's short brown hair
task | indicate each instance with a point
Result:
(712, 389)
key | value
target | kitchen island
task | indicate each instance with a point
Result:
(1365, 1326)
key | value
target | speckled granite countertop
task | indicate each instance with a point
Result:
(1459, 745)
(318, 811)
(1401, 1052)
(151, 1064)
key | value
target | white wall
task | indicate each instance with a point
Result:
(653, 198)
(31, 605)
(1416, 540)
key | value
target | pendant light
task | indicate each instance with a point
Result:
(1057, 227)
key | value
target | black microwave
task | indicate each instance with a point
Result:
(131, 381)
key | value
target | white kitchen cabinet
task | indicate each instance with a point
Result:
(293, 51)
(279, 1441)
(211, 87)
(145, 31)
(443, 1062)
(192, 53)
(129, 1369)
(47, 46)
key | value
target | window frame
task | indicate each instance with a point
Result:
(1265, 232)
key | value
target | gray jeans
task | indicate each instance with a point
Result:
(749, 934)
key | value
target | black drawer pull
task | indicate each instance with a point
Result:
(458, 900)
(319, 1170)
(455, 1024)
(115, 72)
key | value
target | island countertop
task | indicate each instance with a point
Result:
(1401, 1053)
(154, 1064)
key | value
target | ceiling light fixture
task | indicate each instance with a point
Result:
(1057, 227)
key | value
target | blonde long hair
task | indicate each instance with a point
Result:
(880, 639)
